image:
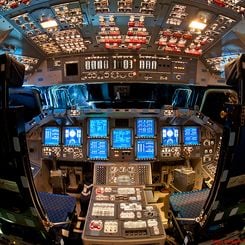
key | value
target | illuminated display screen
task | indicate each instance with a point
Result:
(72, 136)
(98, 127)
(121, 138)
(51, 136)
(191, 135)
(145, 149)
(170, 136)
(145, 127)
(98, 149)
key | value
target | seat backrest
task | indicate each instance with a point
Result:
(235, 76)
(21, 213)
(224, 209)
(27, 97)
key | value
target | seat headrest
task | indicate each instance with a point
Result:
(11, 71)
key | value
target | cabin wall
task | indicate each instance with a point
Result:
(44, 77)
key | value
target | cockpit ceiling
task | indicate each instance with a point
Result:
(34, 30)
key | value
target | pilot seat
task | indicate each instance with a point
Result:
(217, 214)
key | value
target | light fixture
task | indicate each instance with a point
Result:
(48, 23)
(195, 24)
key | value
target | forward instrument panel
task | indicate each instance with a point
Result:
(131, 136)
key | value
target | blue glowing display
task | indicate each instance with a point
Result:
(170, 136)
(98, 149)
(98, 127)
(51, 136)
(121, 138)
(145, 149)
(191, 135)
(145, 127)
(72, 136)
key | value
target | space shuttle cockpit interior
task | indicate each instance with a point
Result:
(108, 172)
(122, 122)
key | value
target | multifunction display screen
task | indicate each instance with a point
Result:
(145, 127)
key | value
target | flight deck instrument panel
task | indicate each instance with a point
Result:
(133, 136)
(125, 145)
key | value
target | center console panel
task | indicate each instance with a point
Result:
(119, 214)
(122, 173)
(118, 210)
